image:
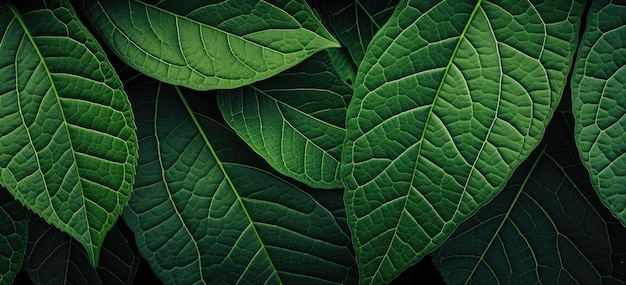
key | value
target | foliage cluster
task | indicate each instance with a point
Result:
(313, 142)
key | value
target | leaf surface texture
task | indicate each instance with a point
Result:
(294, 120)
(450, 98)
(199, 218)
(68, 147)
(210, 45)
(599, 104)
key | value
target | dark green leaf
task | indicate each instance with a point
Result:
(52, 257)
(13, 233)
(200, 218)
(543, 228)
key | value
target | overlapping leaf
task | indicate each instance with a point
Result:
(199, 218)
(210, 45)
(450, 97)
(67, 142)
(294, 120)
(13, 234)
(355, 22)
(543, 228)
(52, 257)
(599, 104)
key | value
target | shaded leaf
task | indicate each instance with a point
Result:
(543, 228)
(52, 257)
(356, 22)
(294, 120)
(599, 104)
(67, 143)
(198, 218)
(13, 234)
(451, 97)
(217, 45)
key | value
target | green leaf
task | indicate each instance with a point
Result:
(219, 45)
(599, 104)
(199, 218)
(450, 98)
(543, 228)
(355, 22)
(294, 120)
(52, 257)
(67, 143)
(13, 234)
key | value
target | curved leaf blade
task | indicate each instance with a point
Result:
(13, 234)
(294, 120)
(599, 104)
(198, 218)
(67, 140)
(450, 98)
(205, 46)
(543, 228)
(52, 257)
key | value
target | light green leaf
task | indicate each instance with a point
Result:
(13, 234)
(198, 218)
(451, 97)
(355, 22)
(599, 104)
(67, 143)
(216, 45)
(52, 257)
(294, 120)
(543, 228)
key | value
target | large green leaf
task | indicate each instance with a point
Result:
(52, 257)
(294, 120)
(599, 104)
(209, 44)
(13, 234)
(67, 143)
(199, 218)
(543, 228)
(450, 98)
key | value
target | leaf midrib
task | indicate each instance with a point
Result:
(83, 208)
(225, 173)
(421, 140)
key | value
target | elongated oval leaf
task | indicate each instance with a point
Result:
(543, 228)
(294, 120)
(450, 98)
(200, 219)
(599, 104)
(209, 45)
(52, 257)
(13, 234)
(67, 143)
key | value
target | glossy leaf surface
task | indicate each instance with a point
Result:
(210, 45)
(67, 137)
(450, 98)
